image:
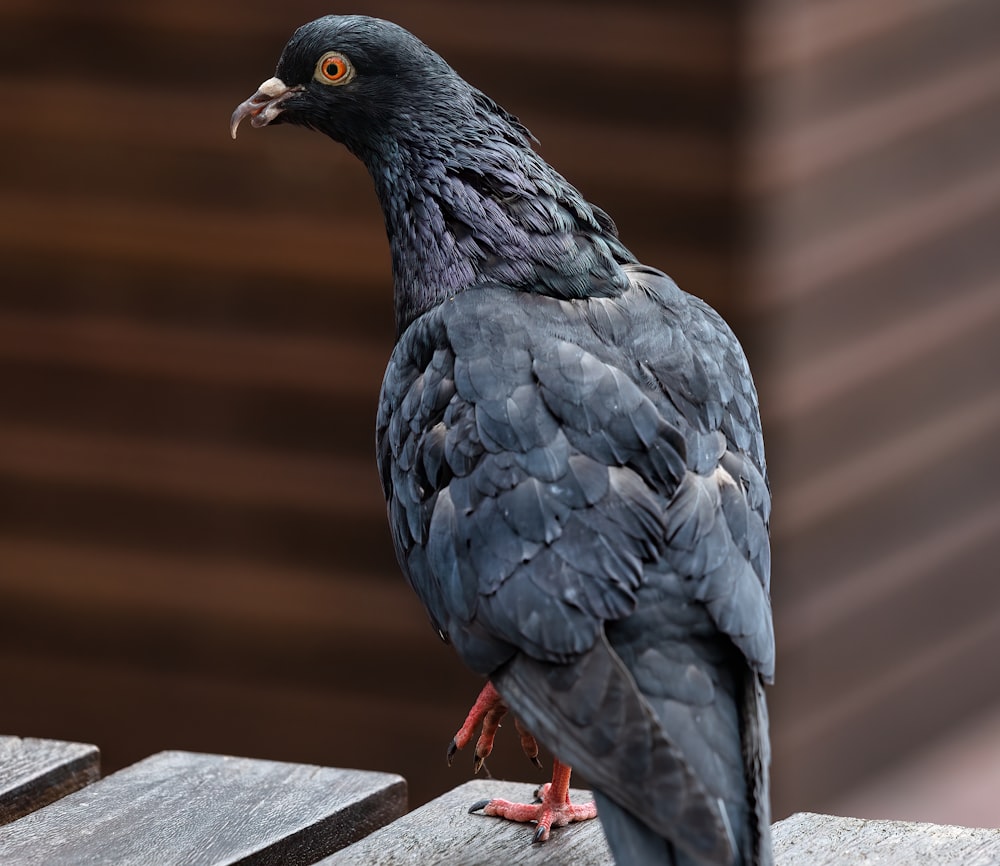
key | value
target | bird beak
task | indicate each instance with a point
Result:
(265, 105)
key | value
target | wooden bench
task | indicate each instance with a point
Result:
(442, 832)
(806, 839)
(34, 773)
(185, 808)
(212, 810)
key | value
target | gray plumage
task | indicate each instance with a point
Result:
(571, 454)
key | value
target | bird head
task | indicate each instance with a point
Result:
(360, 80)
(466, 198)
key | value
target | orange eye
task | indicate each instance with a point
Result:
(333, 68)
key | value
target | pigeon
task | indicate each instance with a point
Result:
(571, 454)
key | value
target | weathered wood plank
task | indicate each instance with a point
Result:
(196, 810)
(443, 831)
(806, 839)
(34, 773)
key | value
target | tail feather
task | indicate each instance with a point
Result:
(591, 715)
(650, 799)
(757, 762)
(632, 842)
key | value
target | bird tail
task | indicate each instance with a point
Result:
(591, 715)
(633, 842)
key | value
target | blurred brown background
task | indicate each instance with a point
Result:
(193, 550)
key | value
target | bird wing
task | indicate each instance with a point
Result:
(551, 467)
(507, 450)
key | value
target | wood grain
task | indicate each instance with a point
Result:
(806, 839)
(34, 773)
(207, 810)
(443, 831)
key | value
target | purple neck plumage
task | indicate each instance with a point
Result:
(481, 206)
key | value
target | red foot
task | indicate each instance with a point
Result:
(554, 810)
(488, 711)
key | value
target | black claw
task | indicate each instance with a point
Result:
(536, 762)
(540, 833)
(479, 804)
(452, 748)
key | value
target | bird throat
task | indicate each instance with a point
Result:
(459, 217)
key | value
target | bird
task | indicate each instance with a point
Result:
(571, 453)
